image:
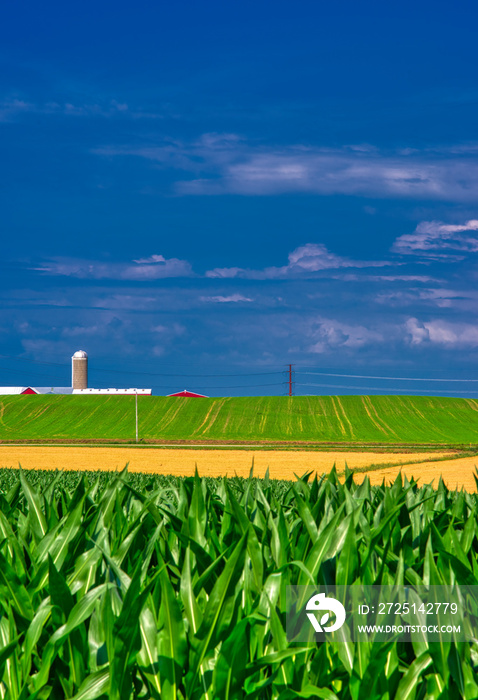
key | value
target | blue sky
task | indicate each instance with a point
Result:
(199, 189)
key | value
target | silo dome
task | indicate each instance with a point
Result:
(81, 354)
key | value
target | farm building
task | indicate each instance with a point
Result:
(13, 390)
(119, 392)
(189, 394)
(79, 383)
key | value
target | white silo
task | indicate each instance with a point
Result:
(79, 370)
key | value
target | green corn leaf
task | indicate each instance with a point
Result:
(172, 647)
(190, 604)
(37, 518)
(33, 634)
(6, 651)
(219, 610)
(148, 654)
(231, 666)
(95, 686)
(127, 635)
(60, 593)
(408, 686)
(330, 542)
(80, 612)
(347, 564)
(13, 590)
(309, 691)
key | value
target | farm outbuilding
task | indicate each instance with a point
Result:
(33, 390)
(130, 392)
(16, 390)
(189, 394)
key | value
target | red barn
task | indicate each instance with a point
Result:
(189, 395)
(29, 390)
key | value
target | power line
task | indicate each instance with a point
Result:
(334, 369)
(170, 374)
(166, 386)
(95, 369)
(148, 374)
(374, 388)
(237, 386)
(400, 379)
(35, 374)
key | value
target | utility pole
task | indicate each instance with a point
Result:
(290, 379)
(136, 411)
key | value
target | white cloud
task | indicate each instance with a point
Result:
(226, 299)
(122, 302)
(227, 164)
(444, 333)
(329, 334)
(13, 108)
(348, 277)
(313, 257)
(150, 260)
(432, 236)
(442, 298)
(173, 330)
(226, 272)
(303, 261)
(152, 268)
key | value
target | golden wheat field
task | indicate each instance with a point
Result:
(210, 462)
(456, 473)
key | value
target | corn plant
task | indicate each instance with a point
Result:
(176, 588)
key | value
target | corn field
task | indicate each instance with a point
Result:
(168, 588)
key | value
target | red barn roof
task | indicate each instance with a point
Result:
(189, 394)
(29, 390)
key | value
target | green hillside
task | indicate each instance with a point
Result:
(366, 419)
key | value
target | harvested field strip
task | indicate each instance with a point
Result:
(180, 462)
(456, 473)
(345, 417)
(339, 421)
(472, 403)
(381, 424)
(368, 407)
(210, 420)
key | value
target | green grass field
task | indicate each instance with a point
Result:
(344, 419)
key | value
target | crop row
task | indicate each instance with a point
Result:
(176, 588)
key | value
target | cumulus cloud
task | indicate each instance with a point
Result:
(329, 334)
(303, 261)
(234, 298)
(152, 268)
(313, 257)
(228, 164)
(432, 236)
(444, 333)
